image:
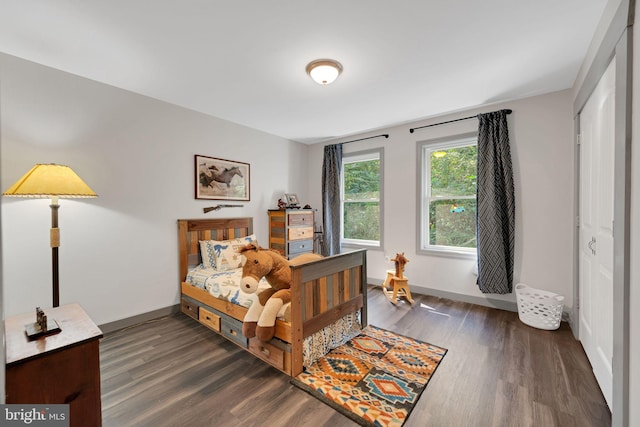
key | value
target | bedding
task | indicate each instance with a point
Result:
(330, 337)
(222, 255)
(225, 285)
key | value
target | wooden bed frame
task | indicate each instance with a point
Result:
(323, 291)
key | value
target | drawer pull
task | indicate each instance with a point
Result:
(232, 332)
(265, 351)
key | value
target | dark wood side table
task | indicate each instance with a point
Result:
(60, 368)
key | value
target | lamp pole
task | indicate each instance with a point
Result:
(55, 243)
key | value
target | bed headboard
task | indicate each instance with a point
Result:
(191, 231)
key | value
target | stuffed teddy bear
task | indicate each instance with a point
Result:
(260, 319)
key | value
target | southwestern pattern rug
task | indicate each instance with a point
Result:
(375, 378)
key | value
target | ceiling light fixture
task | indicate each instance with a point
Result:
(324, 71)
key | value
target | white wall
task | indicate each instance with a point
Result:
(118, 253)
(541, 134)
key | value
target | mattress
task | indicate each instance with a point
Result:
(225, 285)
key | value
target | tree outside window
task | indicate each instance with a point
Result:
(448, 214)
(361, 198)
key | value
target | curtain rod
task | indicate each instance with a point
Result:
(450, 121)
(386, 135)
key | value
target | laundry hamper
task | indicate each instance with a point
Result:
(538, 308)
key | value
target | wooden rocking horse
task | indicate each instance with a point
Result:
(397, 281)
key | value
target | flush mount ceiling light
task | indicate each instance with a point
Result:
(324, 71)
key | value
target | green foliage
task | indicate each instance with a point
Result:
(362, 194)
(447, 228)
(361, 220)
(453, 174)
(362, 180)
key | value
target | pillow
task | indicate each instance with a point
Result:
(208, 253)
(223, 255)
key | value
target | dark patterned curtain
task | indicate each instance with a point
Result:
(331, 167)
(496, 205)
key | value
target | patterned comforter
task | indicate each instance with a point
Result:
(224, 285)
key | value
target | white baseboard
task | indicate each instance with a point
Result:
(486, 302)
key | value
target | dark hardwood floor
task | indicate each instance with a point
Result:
(498, 372)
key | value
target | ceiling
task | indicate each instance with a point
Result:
(244, 61)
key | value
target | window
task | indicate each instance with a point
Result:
(448, 191)
(362, 198)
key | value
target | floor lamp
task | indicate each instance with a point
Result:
(50, 181)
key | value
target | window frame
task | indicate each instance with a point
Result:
(364, 155)
(424, 194)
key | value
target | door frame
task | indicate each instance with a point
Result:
(618, 43)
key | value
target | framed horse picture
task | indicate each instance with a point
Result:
(220, 179)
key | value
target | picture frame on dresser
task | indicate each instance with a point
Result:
(292, 200)
(221, 179)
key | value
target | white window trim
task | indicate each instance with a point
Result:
(377, 153)
(424, 147)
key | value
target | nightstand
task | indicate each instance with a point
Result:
(60, 368)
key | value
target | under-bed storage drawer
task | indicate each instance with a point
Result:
(232, 329)
(209, 319)
(189, 308)
(267, 352)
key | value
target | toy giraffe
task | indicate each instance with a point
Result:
(400, 260)
(397, 281)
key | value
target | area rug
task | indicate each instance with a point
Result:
(375, 378)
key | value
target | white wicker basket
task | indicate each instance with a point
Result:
(538, 308)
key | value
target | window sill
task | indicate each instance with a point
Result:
(449, 253)
(361, 245)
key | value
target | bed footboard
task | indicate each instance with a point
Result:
(323, 292)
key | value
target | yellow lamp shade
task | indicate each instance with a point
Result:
(50, 180)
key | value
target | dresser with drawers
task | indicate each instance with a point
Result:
(291, 231)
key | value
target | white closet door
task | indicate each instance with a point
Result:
(596, 229)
